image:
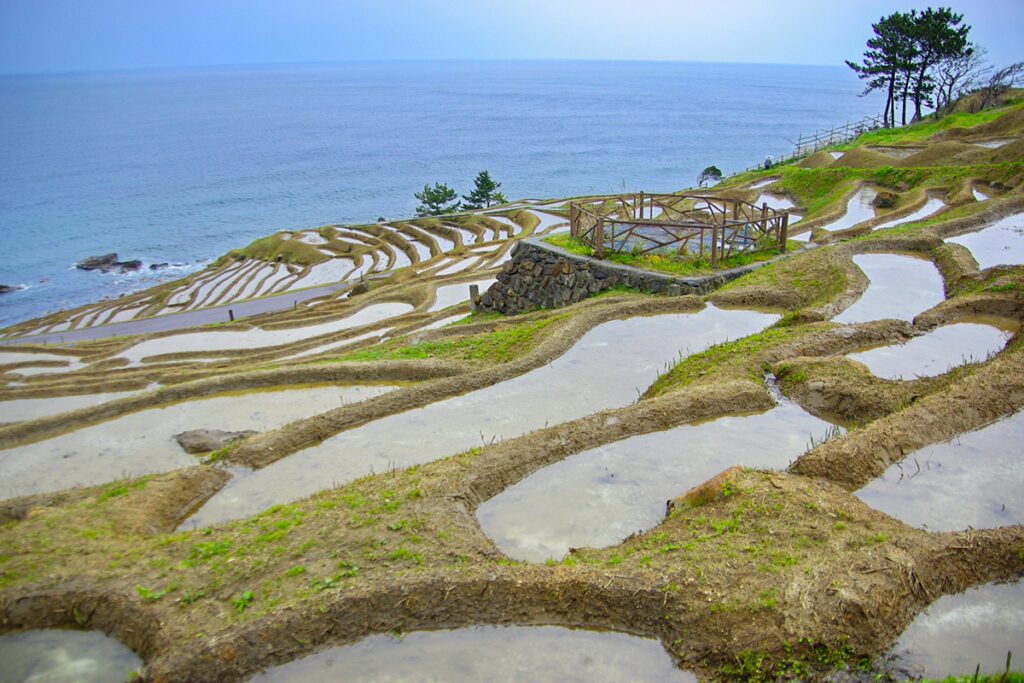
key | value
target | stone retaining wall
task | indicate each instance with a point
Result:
(541, 275)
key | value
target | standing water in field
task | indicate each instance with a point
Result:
(959, 632)
(901, 287)
(62, 655)
(940, 350)
(608, 367)
(602, 495)
(144, 443)
(970, 481)
(1001, 243)
(487, 653)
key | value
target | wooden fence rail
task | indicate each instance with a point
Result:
(827, 137)
(698, 225)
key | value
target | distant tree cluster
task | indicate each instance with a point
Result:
(926, 59)
(441, 199)
(711, 173)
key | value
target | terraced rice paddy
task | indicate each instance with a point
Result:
(514, 471)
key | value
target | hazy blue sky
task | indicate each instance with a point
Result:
(87, 35)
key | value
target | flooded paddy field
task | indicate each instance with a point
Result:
(901, 286)
(599, 497)
(65, 655)
(144, 441)
(593, 373)
(940, 350)
(496, 653)
(972, 481)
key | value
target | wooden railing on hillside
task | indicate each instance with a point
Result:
(827, 137)
(698, 225)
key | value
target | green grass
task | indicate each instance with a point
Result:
(928, 127)
(271, 247)
(501, 345)
(672, 264)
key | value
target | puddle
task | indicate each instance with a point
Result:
(449, 295)
(457, 266)
(548, 221)
(775, 202)
(979, 196)
(931, 206)
(594, 374)
(442, 322)
(836, 153)
(600, 496)
(32, 408)
(143, 443)
(488, 653)
(858, 210)
(1001, 243)
(248, 339)
(326, 272)
(959, 632)
(901, 287)
(898, 152)
(56, 655)
(763, 183)
(993, 144)
(938, 351)
(8, 357)
(974, 480)
(336, 344)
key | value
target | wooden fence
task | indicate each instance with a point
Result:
(698, 225)
(828, 137)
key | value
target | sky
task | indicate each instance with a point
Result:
(46, 36)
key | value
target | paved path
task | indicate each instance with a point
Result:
(175, 321)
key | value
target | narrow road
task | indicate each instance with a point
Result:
(175, 321)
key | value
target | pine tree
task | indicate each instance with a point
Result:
(484, 193)
(436, 200)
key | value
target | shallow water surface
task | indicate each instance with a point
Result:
(604, 369)
(32, 408)
(931, 206)
(959, 632)
(858, 210)
(58, 655)
(488, 653)
(249, 339)
(1001, 243)
(143, 443)
(940, 350)
(901, 287)
(449, 295)
(600, 496)
(974, 480)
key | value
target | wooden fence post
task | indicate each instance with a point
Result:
(599, 237)
(784, 232)
(714, 241)
(574, 220)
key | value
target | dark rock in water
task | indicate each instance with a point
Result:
(884, 200)
(10, 288)
(128, 266)
(158, 266)
(206, 440)
(103, 262)
(381, 219)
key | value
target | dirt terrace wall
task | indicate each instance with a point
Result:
(542, 275)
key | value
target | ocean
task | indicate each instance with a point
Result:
(179, 166)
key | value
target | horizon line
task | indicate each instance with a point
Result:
(389, 60)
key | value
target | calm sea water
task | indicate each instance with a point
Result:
(181, 166)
